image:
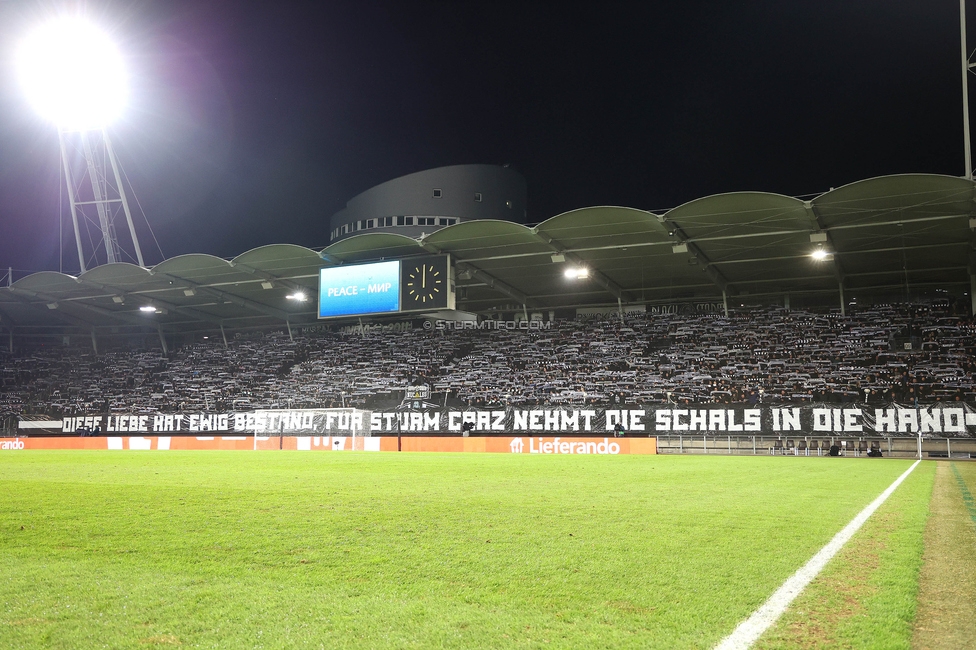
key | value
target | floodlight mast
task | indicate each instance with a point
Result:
(71, 200)
(966, 66)
(74, 76)
(106, 196)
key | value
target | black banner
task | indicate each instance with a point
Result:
(947, 419)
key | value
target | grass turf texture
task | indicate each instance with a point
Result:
(866, 596)
(252, 549)
(946, 617)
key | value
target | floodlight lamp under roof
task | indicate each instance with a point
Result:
(72, 74)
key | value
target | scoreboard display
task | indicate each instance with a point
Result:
(362, 289)
(414, 284)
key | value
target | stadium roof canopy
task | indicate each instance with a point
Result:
(902, 233)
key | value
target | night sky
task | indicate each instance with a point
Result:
(251, 123)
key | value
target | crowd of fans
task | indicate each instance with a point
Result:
(895, 353)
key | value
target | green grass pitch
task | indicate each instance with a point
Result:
(386, 550)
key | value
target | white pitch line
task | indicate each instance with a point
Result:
(763, 618)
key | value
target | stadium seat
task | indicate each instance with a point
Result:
(764, 356)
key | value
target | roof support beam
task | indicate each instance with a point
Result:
(895, 222)
(836, 254)
(490, 280)
(270, 277)
(716, 276)
(817, 221)
(867, 274)
(708, 266)
(808, 227)
(188, 311)
(494, 283)
(601, 279)
(596, 275)
(162, 340)
(100, 311)
(230, 297)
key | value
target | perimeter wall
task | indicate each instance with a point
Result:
(500, 444)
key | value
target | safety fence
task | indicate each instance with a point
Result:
(861, 447)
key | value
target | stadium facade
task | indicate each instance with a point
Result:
(418, 204)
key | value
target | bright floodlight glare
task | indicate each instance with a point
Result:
(298, 295)
(576, 273)
(72, 74)
(147, 308)
(819, 254)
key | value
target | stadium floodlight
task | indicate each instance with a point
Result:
(56, 64)
(147, 308)
(298, 296)
(577, 273)
(819, 254)
(74, 76)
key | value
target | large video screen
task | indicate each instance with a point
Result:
(360, 289)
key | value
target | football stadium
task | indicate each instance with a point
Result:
(745, 421)
(625, 376)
